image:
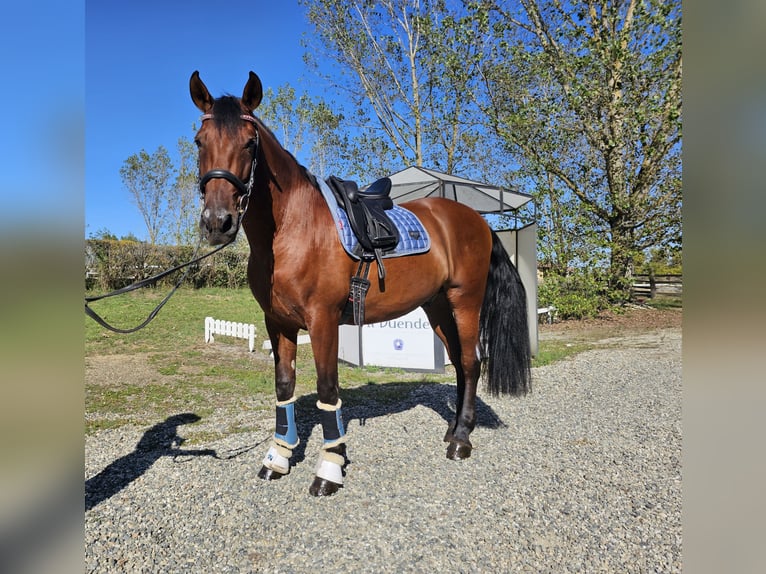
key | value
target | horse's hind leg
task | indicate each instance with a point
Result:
(460, 336)
(277, 461)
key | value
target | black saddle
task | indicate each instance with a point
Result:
(366, 210)
(376, 233)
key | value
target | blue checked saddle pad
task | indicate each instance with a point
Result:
(413, 238)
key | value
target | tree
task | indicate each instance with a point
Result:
(130, 237)
(147, 178)
(329, 149)
(103, 234)
(405, 67)
(183, 203)
(588, 96)
(302, 120)
(285, 116)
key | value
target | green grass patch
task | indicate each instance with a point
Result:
(179, 323)
(664, 302)
(182, 373)
(553, 351)
(105, 424)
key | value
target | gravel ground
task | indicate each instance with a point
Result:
(582, 475)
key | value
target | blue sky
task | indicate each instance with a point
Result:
(138, 59)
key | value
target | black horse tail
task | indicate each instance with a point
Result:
(504, 333)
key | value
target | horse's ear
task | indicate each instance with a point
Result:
(199, 94)
(253, 92)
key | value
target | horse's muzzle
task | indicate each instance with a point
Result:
(218, 225)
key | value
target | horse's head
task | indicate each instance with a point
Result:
(228, 152)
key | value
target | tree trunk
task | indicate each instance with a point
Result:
(622, 260)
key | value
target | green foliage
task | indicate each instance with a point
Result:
(660, 261)
(164, 189)
(576, 296)
(409, 69)
(588, 99)
(103, 233)
(112, 264)
(300, 121)
(183, 204)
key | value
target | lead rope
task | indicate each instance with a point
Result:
(244, 201)
(146, 282)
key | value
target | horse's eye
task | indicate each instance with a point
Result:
(251, 143)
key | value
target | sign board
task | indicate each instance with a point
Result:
(407, 342)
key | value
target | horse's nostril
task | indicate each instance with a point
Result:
(224, 222)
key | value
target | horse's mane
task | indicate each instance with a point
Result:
(310, 176)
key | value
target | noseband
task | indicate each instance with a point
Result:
(244, 188)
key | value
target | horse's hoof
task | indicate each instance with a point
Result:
(268, 474)
(323, 487)
(458, 450)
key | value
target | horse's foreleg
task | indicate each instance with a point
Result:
(332, 456)
(328, 477)
(277, 461)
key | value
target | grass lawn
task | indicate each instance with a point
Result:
(167, 367)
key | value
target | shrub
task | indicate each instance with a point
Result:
(112, 264)
(575, 296)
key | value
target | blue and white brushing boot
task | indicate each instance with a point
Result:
(277, 461)
(329, 468)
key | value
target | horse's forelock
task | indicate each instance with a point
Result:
(226, 113)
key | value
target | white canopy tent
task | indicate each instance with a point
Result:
(416, 182)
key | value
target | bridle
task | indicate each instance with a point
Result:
(244, 188)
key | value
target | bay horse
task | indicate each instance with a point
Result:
(299, 273)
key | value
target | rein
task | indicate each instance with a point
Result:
(244, 188)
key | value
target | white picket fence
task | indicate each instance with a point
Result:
(229, 329)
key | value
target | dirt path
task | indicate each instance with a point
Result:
(634, 321)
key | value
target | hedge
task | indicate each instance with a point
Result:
(112, 264)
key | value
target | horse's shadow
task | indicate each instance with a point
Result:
(160, 440)
(377, 400)
(360, 404)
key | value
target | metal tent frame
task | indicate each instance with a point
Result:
(415, 182)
